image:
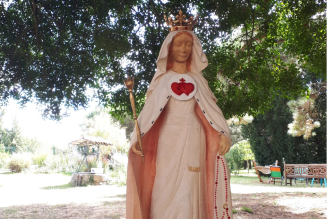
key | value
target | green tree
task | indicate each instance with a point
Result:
(270, 141)
(15, 135)
(4, 138)
(239, 153)
(14, 139)
(53, 51)
(99, 123)
(30, 145)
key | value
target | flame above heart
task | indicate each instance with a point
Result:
(182, 88)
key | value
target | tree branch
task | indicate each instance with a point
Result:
(155, 12)
(34, 9)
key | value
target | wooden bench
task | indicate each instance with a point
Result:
(309, 171)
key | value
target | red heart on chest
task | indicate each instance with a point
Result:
(182, 88)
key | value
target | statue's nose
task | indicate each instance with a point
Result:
(184, 47)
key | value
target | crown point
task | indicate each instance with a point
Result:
(181, 23)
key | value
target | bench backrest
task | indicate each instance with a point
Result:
(306, 170)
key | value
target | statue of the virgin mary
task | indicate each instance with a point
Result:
(184, 136)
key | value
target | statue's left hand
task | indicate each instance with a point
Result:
(224, 145)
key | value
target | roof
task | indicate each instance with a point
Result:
(90, 141)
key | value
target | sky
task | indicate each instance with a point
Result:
(52, 133)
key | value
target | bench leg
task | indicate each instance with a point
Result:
(325, 182)
(312, 181)
(285, 181)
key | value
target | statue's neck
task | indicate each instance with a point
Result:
(179, 67)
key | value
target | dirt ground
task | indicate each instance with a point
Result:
(33, 196)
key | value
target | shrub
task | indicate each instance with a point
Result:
(60, 163)
(118, 166)
(238, 153)
(4, 158)
(39, 158)
(229, 159)
(118, 176)
(19, 162)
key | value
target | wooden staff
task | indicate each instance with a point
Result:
(129, 84)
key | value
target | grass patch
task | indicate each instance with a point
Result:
(115, 196)
(60, 206)
(252, 171)
(246, 209)
(235, 211)
(10, 211)
(106, 203)
(254, 181)
(64, 186)
(7, 173)
(246, 180)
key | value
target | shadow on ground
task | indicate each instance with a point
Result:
(263, 206)
(104, 210)
(279, 206)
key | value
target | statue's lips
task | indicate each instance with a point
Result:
(182, 88)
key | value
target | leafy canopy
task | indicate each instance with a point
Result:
(54, 52)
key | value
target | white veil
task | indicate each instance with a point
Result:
(198, 63)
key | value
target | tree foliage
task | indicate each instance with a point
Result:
(239, 153)
(54, 51)
(308, 112)
(13, 138)
(270, 141)
(100, 123)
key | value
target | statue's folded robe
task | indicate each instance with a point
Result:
(140, 176)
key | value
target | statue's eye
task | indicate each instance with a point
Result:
(177, 43)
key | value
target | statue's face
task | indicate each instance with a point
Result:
(181, 48)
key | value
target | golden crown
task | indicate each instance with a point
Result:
(180, 23)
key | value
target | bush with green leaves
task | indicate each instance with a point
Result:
(20, 162)
(39, 158)
(239, 153)
(4, 158)
(118, 176)
(61, 163)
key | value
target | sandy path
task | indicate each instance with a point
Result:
(24, 189)
(29, 196)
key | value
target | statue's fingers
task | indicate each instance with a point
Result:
(221, 150)
(225, 149)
